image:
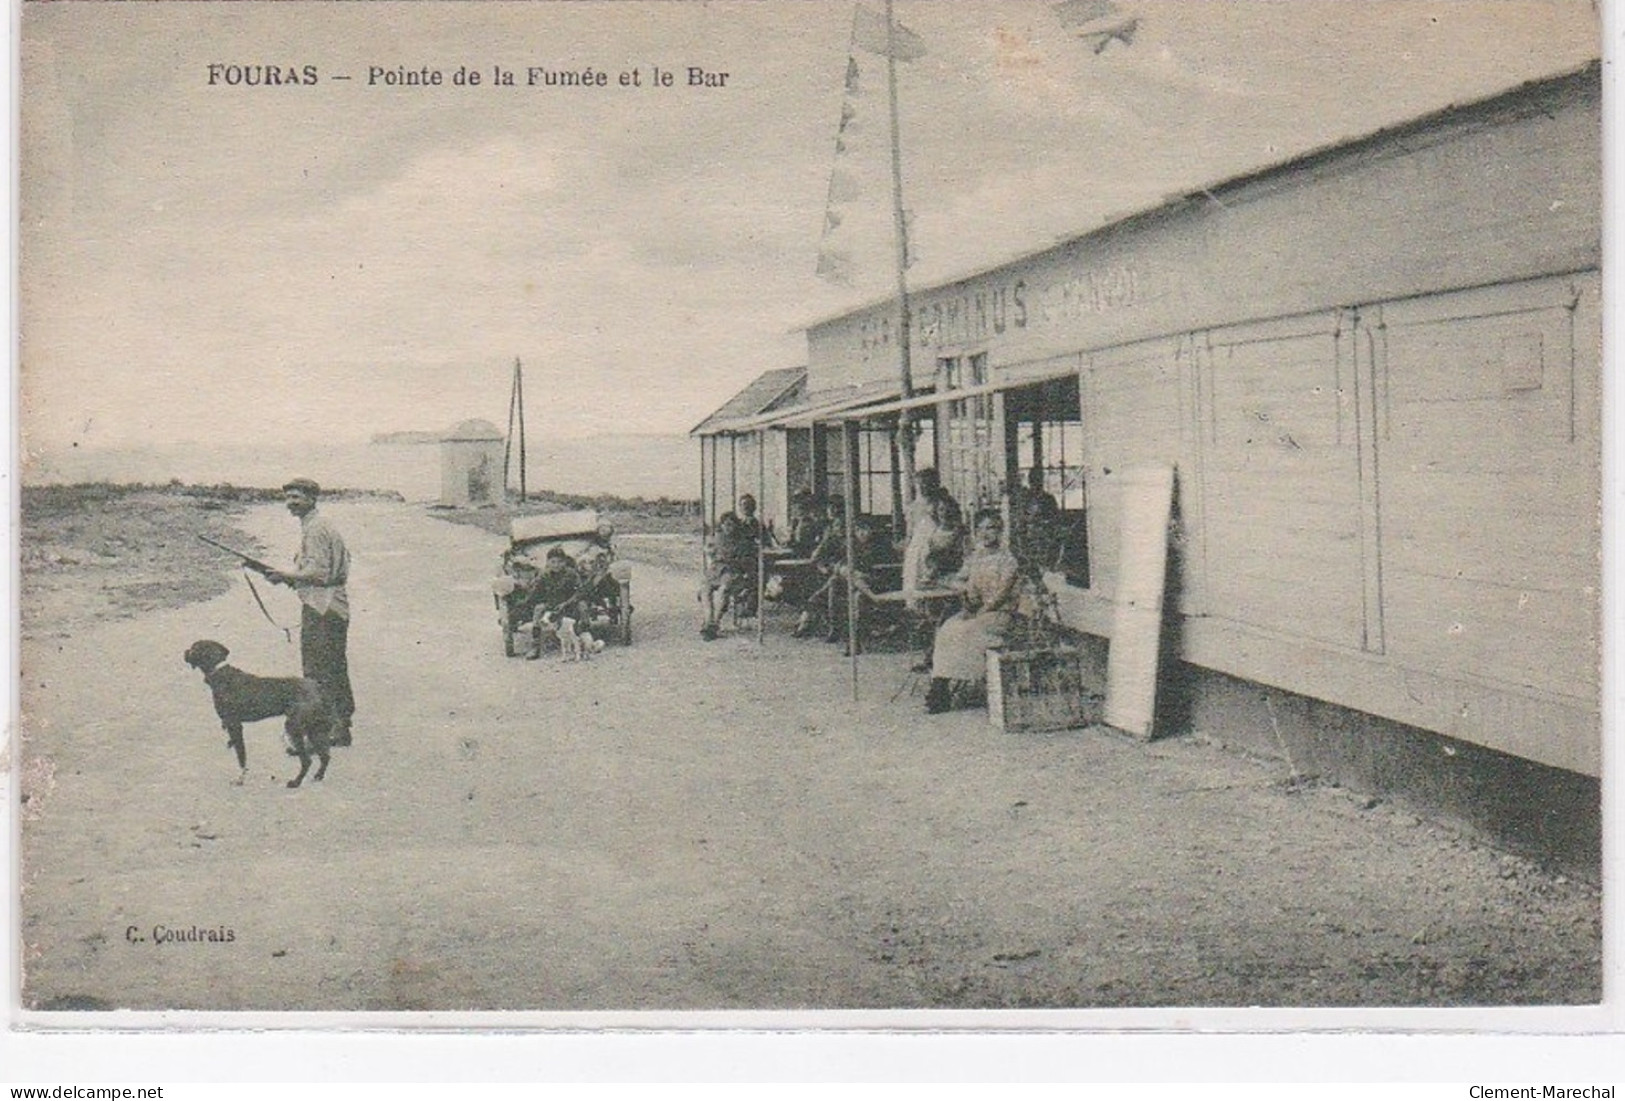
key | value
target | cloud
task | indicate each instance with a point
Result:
(353, 260)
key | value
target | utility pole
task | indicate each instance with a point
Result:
(516, 417)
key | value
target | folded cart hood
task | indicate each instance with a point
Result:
(554, 525)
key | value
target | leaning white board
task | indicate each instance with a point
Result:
(1146, 496)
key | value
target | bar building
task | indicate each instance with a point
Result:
(1376, 370)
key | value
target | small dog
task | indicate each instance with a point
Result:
(241, 697)
(574, 645)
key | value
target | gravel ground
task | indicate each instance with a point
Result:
(93, 553)
(680, 825)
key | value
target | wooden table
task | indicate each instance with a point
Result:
(778, 562)
(903, 596)
(781, 563)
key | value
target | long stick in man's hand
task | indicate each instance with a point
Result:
(260, 568)
(252, 563)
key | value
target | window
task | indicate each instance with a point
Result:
(967, 461)
(874, 467)
(1056, 447)
(1044, 429)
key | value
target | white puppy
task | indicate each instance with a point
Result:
(570, 648)
(574, 644)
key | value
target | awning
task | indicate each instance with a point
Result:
(880, 398)
(1013, 381)
(766, 392)
(819, 407)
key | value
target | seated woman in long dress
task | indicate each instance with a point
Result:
(991, 582)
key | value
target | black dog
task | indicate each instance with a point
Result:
(241, 697)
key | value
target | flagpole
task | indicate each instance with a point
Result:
(905, 372)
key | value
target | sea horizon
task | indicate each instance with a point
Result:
(621, 465)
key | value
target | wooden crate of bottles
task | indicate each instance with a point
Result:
(1042, 689)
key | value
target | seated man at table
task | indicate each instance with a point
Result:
(806, 523)
(730, 573)
(793, 578)
(869, 551)
(744, 557)
(1035, 519)
(827, 557)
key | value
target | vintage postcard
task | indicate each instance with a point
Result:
(1028, 514)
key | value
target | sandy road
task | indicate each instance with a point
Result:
(682, 825)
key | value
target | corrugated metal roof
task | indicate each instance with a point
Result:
(767, 392)
(807, 409)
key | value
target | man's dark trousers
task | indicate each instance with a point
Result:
(322, 652)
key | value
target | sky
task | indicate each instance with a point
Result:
(260, 265)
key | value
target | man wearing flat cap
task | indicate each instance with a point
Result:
(318, 576)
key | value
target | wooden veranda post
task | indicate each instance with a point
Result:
(705, 509)
(761, 530)
(849, 486)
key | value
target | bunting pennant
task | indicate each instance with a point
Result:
(870, 33)
(1098, 23)
(834, 265)
(1122, 32)
(835, 256)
